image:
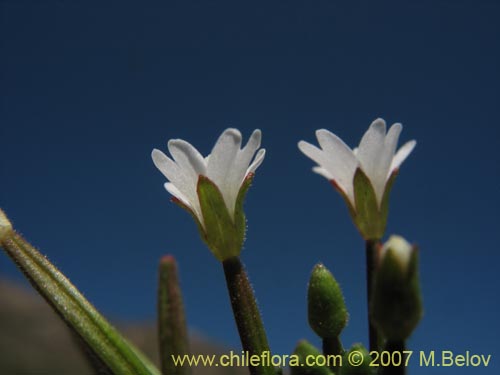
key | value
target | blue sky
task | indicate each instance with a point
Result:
(89, 89)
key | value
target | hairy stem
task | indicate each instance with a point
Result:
(371, 262)
(246, 313)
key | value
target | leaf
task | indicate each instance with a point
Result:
(98, 336)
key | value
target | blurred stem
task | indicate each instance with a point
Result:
(172, 330)
(246, 314)
(391, 347)
(372, 247)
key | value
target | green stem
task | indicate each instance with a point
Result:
(247, 315)
(172, 330)
(371, 262)
(395, 346)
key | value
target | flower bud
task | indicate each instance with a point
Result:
(396, 304)
(327, 313)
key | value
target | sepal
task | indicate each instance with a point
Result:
(369, 217)
(223, 235)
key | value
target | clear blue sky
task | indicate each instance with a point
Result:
(89, 89)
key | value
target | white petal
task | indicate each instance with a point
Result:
(401, 155)
(392, 137)
(342, 162)
(186, 156)
(191, 165)
(312, 152)
(259, 158)
(239, 169)
(226, 167)
(221, 162)
(182, 180)
(371, 153)
(390, 144)
(166, 165)
(222, 155)
(323, 172)
(170, 187)
(337, 160)
(195, 206)
(347, 189)
(250, 148)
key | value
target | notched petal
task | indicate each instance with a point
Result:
(259, 158)
(187, 156)
(403, 152)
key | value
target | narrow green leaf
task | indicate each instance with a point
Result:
(103, 340)
(172, 328)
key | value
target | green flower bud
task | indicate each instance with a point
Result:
(356, 361)
(396, 305)
(303, 355)
(326, 308)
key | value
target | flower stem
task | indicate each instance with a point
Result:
(332, 346)
(246, 314)
(371, 261)
(395, 347)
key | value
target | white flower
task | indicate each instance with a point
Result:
(376, 156)
(227, 166)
